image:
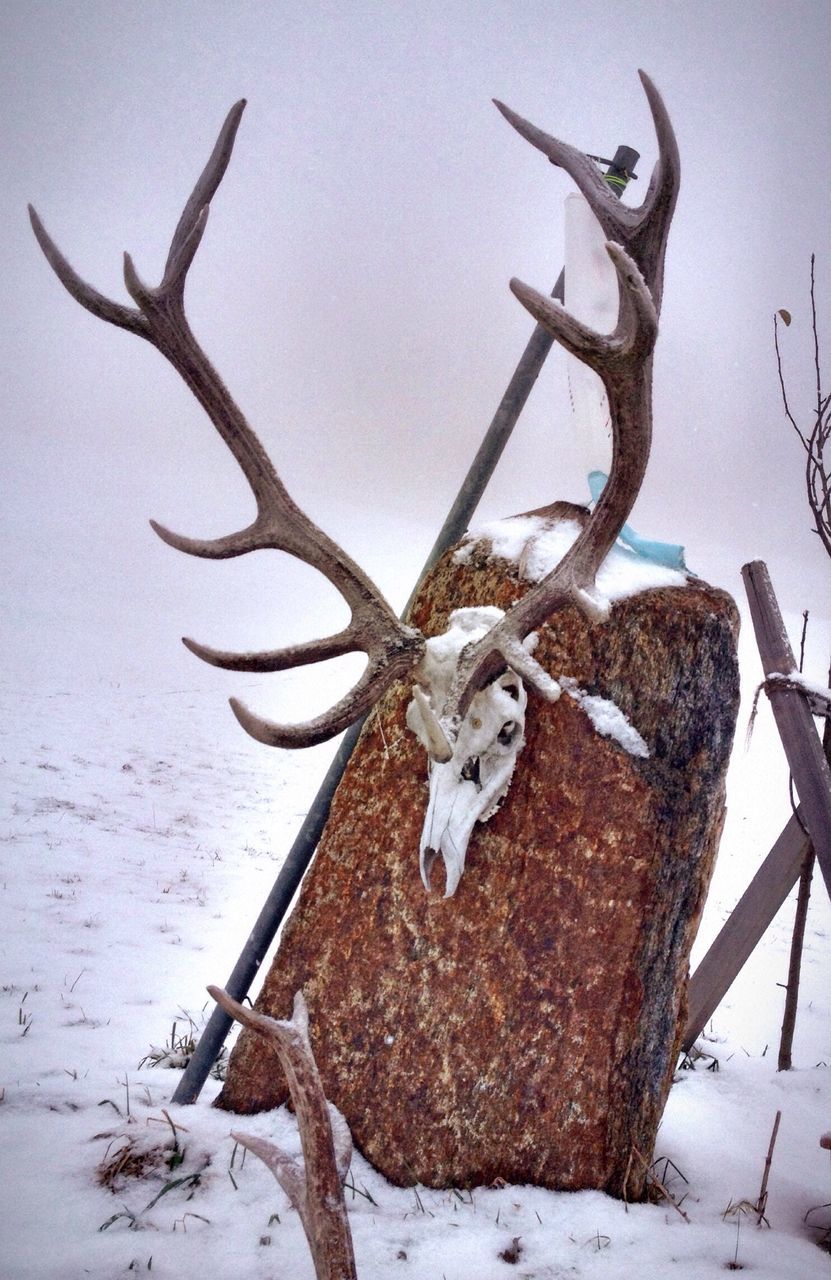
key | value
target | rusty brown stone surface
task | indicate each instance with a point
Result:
(528, 1027)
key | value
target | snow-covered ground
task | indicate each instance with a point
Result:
(140, 833)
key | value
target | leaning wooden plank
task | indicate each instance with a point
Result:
(794, 721)
(744, 928)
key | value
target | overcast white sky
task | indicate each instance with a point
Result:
(353, 290)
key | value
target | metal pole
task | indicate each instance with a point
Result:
(302, 850)
(268, 922)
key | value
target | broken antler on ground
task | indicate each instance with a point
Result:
(314, 1188)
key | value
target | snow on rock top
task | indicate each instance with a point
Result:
(536, 546)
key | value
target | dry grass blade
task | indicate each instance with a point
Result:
(762, 1202)
(654, 1184)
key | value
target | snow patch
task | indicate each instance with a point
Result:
(117, 911)
(536, 546)
(607, 718)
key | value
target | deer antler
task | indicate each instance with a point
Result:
(641, 231)
(623, 360)
(159, 316)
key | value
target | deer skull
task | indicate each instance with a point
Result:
(469, 787)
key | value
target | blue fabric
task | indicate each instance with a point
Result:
(665, 553)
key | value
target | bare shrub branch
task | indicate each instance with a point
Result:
(816, 437)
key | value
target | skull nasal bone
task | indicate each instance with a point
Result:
(429, 860)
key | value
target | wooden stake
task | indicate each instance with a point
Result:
(785, 1061)
(744, 928)
(800, 740)
(800, 918)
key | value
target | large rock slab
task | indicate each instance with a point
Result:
(528, 1027)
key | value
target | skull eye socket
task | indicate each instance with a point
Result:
(507, 733)
(470, 770)
(512, 690)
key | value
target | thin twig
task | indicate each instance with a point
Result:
(815, 331)
(785, 1061)
(762, 1202)
(782, 386)
(791, 792)
(814, 441)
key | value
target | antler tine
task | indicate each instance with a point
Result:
(391, 647)
(208, 181)
(633, 336)
(648, 245)
(89, 298)
(374, 682)
(641, 230)
(298, 655)
(607, 208)
(190, 227)
(623, 360)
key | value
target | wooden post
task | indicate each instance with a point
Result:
(794, 721)
(785, 1060)
(798, 939)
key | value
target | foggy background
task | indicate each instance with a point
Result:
(352, 289)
